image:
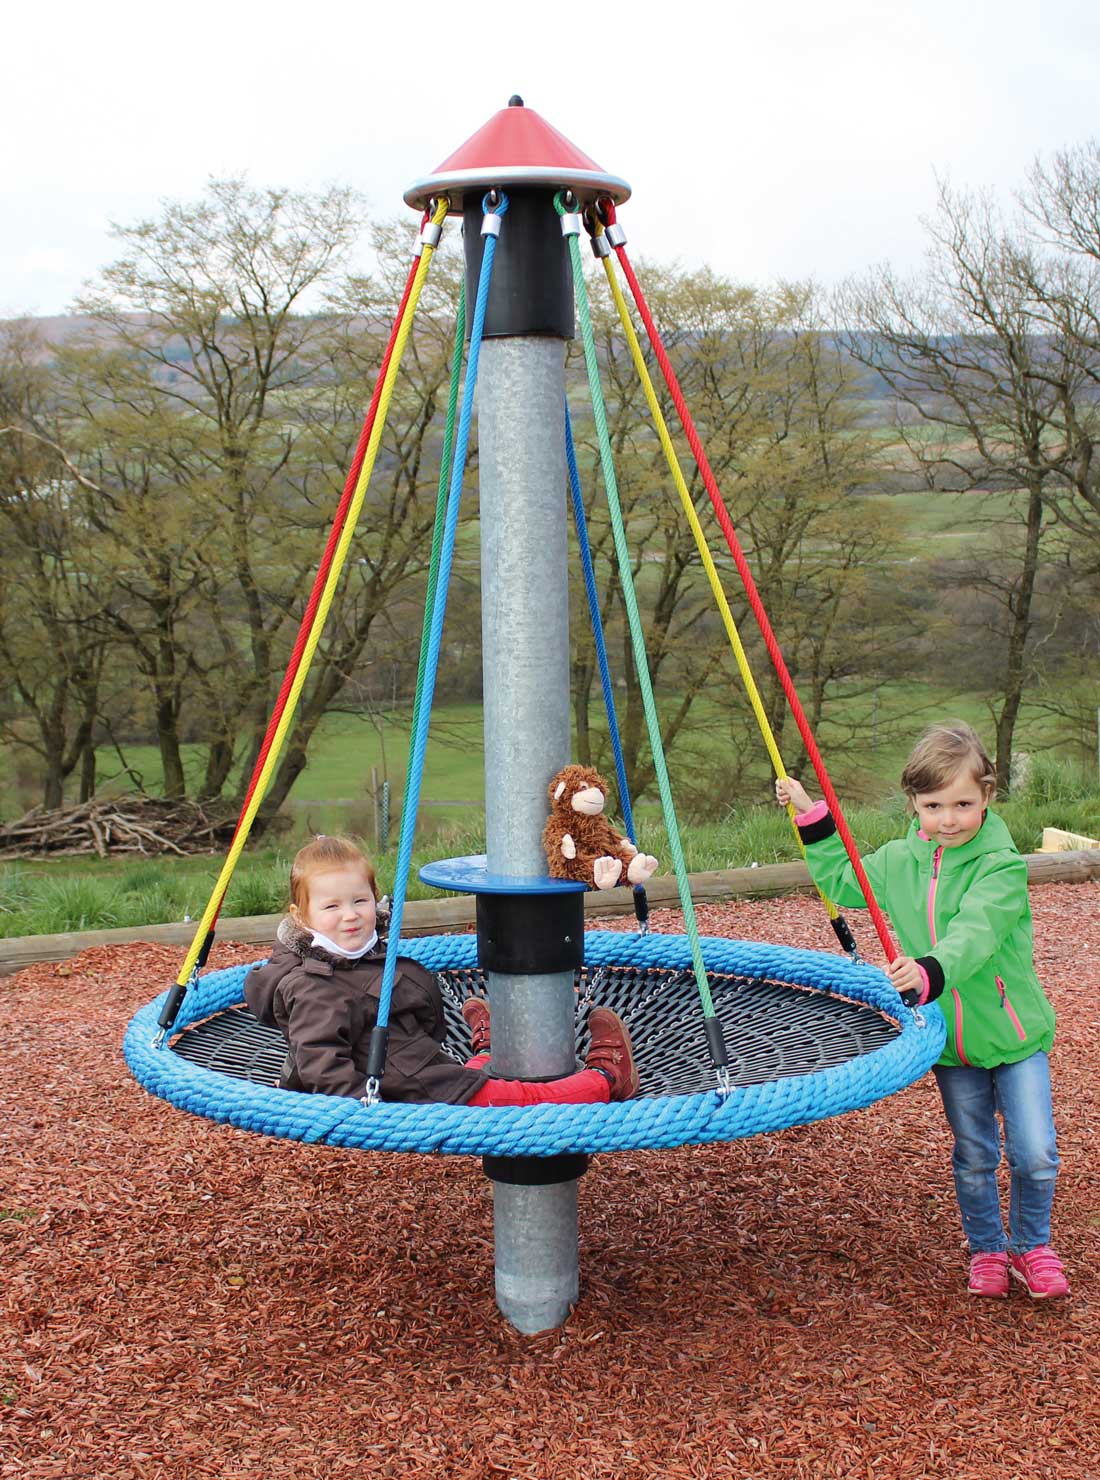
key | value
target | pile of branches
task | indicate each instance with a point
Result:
(127, 824)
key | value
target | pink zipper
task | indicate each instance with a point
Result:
(1008, 1007)
(932, 887)
(959, 1027)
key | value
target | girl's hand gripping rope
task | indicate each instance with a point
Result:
(788, 791)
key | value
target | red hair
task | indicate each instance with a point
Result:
(318, 857)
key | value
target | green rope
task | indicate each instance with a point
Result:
(637, 637)
(440, 504)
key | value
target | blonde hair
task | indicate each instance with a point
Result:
(322, 854)
(941, 753)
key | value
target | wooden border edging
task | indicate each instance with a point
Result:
(455, 913)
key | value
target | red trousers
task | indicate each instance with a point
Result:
(589, 1087)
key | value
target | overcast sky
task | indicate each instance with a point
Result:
(782, 139)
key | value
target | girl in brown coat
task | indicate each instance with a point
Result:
(321, 986)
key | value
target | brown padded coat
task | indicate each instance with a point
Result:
(325, 1006)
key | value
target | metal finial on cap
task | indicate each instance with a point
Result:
(515, 101)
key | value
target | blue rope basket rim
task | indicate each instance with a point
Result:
(551, 1130)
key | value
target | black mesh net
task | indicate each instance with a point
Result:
(772, 1029)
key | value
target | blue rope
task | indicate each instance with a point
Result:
(597, 627)
(547, 1130)
(418, 743)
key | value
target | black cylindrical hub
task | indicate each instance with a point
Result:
(535, 1171)
(532, 289)
(528, 934)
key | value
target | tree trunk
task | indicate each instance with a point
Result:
(87, 771)
(53, 783)
(219, 763)
(1020, 602)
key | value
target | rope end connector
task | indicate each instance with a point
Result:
(174, 1001)
(719, 1056)
(641, 908)
(376, 1064)
(847, 941)
(571, 223)
(616, 236)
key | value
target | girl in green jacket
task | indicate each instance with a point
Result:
(955, 888)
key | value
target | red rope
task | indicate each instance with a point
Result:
(753, 594)
(338, 521)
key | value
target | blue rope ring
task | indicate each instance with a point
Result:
(550, 1130)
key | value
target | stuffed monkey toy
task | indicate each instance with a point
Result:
(579, 841)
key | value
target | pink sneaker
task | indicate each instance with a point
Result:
(1041, 1271)
(476, 1012)
(989, 1275)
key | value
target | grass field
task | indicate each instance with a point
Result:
(43, 898)
(864, 741)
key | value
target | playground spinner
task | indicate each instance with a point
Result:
(732, 1038)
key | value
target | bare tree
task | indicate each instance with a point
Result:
(1062, 207)
(776, 406)
(53, 643)
(980, 380)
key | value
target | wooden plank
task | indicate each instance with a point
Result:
(453, 913)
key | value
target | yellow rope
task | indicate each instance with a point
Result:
(323, 606)
(704, 552)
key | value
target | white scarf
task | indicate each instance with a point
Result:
(335, 950)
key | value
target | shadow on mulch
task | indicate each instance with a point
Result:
(183, 1301)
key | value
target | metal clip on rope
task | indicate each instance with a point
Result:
(494, 205)
(605, 214)
(594, 224)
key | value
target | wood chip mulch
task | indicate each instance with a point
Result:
(182, 1301)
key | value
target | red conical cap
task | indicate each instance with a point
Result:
(517, 147)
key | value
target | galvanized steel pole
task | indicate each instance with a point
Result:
(530, 936)
(525, 665)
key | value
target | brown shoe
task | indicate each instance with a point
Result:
(611, 1052)
(476, 1012)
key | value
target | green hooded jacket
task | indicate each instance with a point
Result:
(963, 914)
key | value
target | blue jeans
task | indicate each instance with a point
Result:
(1021, 1093)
